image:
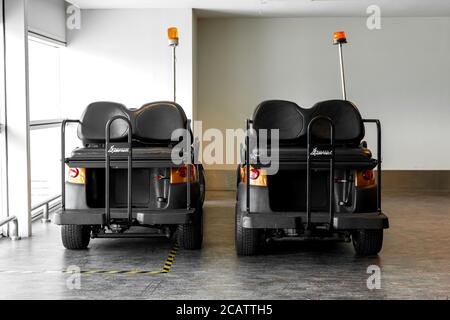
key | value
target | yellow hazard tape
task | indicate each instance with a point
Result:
(165, 269)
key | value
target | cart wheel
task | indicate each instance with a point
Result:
(190, 235)
(367, 242)
(246, 239)
(75, 237)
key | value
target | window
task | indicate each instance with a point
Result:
(44, 81)
(3, 192)
(45, 106)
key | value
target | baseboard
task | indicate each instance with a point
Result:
(220, 180)
(423, 180)
(401, 180)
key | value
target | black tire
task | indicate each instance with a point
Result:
(367, 242)
(202, 183)
(247, 240)
(75, 237)
(190, 236)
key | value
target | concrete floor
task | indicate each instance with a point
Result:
(414, 262)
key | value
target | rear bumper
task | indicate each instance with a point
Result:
(295, 220)
(140, 217)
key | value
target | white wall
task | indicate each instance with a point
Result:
(122, 55)
(399, 74)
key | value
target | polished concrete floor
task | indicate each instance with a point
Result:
(414, 262)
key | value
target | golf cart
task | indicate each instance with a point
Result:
(325, 187)
(137, 168)
(125, 176)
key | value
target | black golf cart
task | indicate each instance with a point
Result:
(126, 176)
(325, 186)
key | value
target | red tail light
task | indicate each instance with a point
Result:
(254, 174)
(364, 178)
(368, 174)
(77, 175)
(73, 173)
(182, 172)
(258, 177)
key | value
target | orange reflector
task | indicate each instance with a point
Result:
(172, 33)
(339, 37)
(364, 178)
(179, 175)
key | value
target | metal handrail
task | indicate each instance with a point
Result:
(249, 125)
(13, 219)
(379, 160)
(308, 171)
(46, 209)
(63, 156)
(108, 168)
(43, 124)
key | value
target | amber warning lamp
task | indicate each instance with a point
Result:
(339, 37)
(172, 35)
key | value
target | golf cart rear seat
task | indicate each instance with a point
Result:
(292, 122)
(152, 128)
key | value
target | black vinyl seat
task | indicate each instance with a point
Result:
(292, 122)
(152, 126)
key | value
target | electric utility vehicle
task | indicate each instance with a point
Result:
(325, 186)
(132, 171)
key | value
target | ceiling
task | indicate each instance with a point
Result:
(283, 8)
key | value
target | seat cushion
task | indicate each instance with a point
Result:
(348, 125)
(96, 116)
(156, 121)
(283, 115)
(293, 120)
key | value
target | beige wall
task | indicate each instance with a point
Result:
(399, 74)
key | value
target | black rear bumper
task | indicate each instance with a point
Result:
(140, 217)
(295, 220)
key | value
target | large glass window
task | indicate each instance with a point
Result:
(44, 81)
(45, 107)
(3, 193)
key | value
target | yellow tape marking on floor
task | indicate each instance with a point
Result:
(165, 269)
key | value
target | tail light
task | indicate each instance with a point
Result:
(77, 175)
(364, 178)
(179, 175)
(258, 177)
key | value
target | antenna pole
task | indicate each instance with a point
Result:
(339, 38)
(174, 67)
(341, 62)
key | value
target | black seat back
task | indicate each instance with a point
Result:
(348, 125)
(284, 115)
(155, 122)
(292, 121)
(94, 120)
